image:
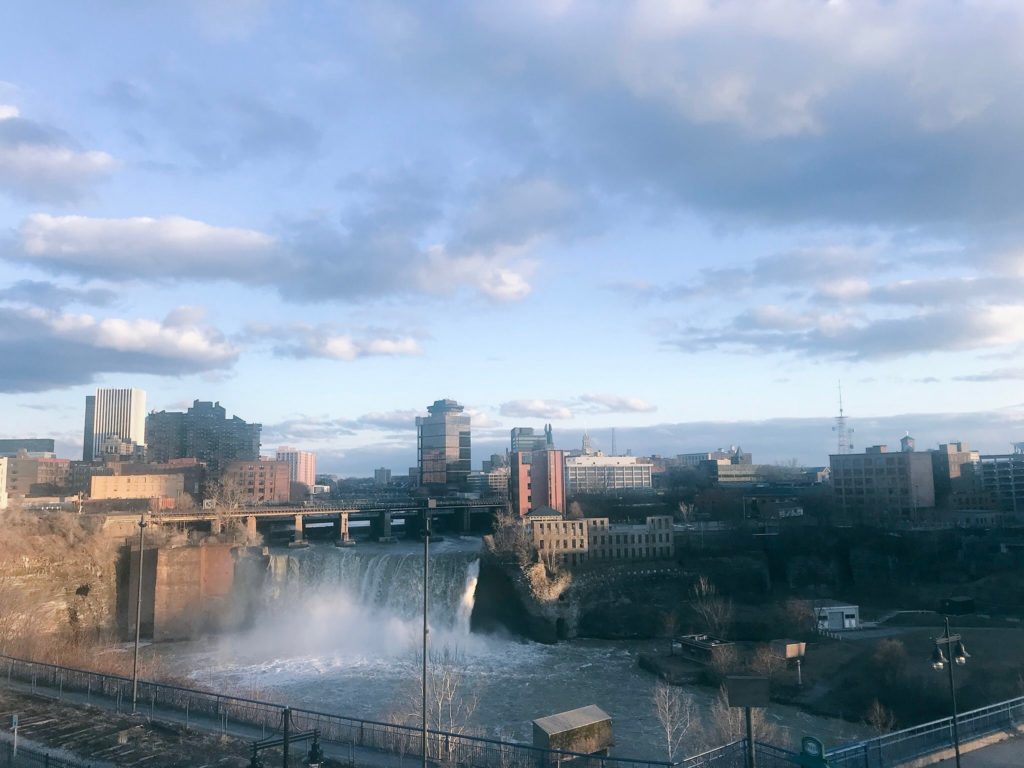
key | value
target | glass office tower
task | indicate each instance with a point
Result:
(443, 447)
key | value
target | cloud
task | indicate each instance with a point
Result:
(617, 404)
(39, 163)
(326, 428)
(303, 342)
(774, 329)
(49, 295)
(46, 350)
(1000, 374)
(540, 409)
(172, 247)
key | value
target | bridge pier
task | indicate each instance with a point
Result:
(341, 529)
(298, 530)
(465, 521)
(382, 527)
(216, 526)
(250, 527)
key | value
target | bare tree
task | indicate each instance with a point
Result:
(767, 662)
(714, 610)
(728, 723)
(575, 512)
(677, 717)
(511, 537)
(880, 718)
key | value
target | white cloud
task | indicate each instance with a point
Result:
(606, 403)
(8, 111)
(167, 247)
(540, 409)
(325, 342)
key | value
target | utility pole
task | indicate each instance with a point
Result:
(426, 626)
(138, 613)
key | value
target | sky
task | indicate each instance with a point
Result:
(687, 220)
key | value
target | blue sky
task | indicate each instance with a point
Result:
(686, 220)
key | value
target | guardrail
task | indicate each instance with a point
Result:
(920, 740)
(252, 718)
(28, 757)
(734, 755)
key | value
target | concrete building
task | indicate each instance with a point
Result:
(947, 469)
(301, 465)
(733, 455)
(1001, 476)
(443, 447)
(574, 542)
(256, 482)
(31, 445)
(884, 489)
(382, 476)
(536, 480)
(113, 413)
(164, 486)
(836, 616)
(36, 476)
(603, 474)
(203, 432)
(3, 482)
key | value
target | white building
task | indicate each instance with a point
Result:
(116, 413)
(301, 465)
(600, 474)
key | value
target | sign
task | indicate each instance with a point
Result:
(746, 691)
(812, 753)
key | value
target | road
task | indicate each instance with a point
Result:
(1000, 755)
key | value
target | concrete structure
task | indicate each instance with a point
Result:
(1001, 476)
(116, 413)
(602, 474)
(3, 482)
(587, 730)
(382, 476)
(537, 479)
(137, 487)
(36, 476)
(947, 470)
(443, 447)
(574, 542)
(491, 483)
(885, 489)
(256, 482)
(10, 447)
(723, 472)
(836, 616)
(88, 436)
(301, 465)
(203, 432)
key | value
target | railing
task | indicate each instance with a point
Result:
(901, 746)
(28, 757)
(254, 719)
(734, 755)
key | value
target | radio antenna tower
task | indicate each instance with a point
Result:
(843, 444)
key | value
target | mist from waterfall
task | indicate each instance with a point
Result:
(363, 602)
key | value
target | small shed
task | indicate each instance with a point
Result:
(587, 730)
(703, 649)
(836, 616)
(789, 649)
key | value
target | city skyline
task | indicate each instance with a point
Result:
(683, 221)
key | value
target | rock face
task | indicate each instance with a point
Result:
(58, 577)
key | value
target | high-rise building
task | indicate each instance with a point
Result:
(382, 476)
(204, 432)
(34, 445)
(301, 465)
(117, 415)
(1001, 476)
(537, 480)
(525, 439)
(443, 447)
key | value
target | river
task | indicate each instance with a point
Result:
(341, 627)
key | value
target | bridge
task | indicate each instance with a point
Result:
(457, 513)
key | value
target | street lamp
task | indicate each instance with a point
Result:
(955, 649)
(138, 613)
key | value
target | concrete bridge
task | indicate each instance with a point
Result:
(458, 515)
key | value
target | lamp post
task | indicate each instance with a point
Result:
(138, 614)
(956, 654)
(426, 626)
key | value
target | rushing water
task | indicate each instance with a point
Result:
(340, 628)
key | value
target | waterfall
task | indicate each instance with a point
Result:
(370, 601)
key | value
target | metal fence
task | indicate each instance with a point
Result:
(254, 719)
(27, 757)
(902, 746)
(734, 755)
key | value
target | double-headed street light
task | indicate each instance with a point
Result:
(955, 650)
